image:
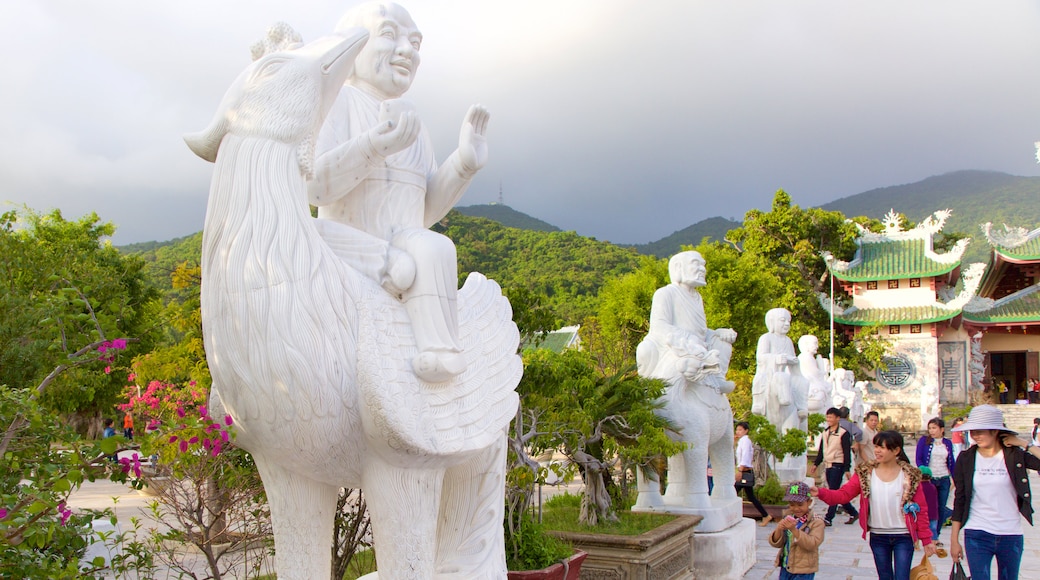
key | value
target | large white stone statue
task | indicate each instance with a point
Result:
(313, 358)
(814, 368)
(779, 392)
(693, 359)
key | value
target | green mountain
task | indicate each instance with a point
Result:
(714, 228)
(507, 216)
(566, 268)
(975, 197)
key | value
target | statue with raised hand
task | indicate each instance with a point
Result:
(378, 187)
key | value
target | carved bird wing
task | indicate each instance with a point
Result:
(468, 413)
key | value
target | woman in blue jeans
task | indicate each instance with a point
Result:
(936, 453)
(892, 506)
(992, 495)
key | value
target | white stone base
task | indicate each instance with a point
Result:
(724, 555)
(722, 515)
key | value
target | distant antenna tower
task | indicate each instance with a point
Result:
(500, 198)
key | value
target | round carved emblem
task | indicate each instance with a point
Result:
(899, 374)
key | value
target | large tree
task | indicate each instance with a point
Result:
(62, 280)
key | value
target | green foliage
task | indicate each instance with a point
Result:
(564, 518)
(765, 435)
(593, 419)
(817, 422)
(62, 285)
(531, 548)
(565, 268)
(771, 492)
(507, 216)
(42, 460)
(709, 230)
(623, 316)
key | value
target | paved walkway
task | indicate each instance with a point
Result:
(845, 555)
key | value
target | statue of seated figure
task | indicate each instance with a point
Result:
(378, 188)
(693, 359)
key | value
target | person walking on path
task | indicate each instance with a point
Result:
(931, 497)
(936, 452)
(992, 495)
(128, 426)
(957, 437)
(894, 509)
(866, 447)
(835, 453)
(745, 474)
(798, 535)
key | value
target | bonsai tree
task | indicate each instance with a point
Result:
(597, 421)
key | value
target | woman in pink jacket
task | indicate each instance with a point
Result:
(892, 506)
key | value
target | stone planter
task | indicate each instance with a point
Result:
(664, 553)
(777, 511)
(557, 571)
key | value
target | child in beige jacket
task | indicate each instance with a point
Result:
(798, 535)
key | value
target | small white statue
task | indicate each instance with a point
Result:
(814, 368)
(314, 360)
(693, 359)
(858, 409)
(843, 382)
(378, 188)
(779, 392)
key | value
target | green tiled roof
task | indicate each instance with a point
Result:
(1022, 306)
(897, 315)
(555, 341)
(1027, 251)
(893, 260)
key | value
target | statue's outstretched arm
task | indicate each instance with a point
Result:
(339, 170)
(452, 178)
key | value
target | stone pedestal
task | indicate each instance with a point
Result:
(791, 469)
(724, 555)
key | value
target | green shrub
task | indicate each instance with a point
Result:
(533, 549)
(771, 492)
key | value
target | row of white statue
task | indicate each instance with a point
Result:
(347, 355)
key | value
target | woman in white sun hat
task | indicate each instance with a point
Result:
(992, 495)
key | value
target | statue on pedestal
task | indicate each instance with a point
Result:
(342, 347)
(779, 392)
(693, 359)
(814, 368)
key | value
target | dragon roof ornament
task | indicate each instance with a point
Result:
(1010, 238)
(894, 231)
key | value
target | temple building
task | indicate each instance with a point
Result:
(1005, 314)
(914, 296)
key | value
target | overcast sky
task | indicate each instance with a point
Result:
(619, 119)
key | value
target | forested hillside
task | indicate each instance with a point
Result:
(161, 259)
(714, 229)
(567, 268)
(507, 216)
(975, 197)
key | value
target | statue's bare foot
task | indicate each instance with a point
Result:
(437, 366)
